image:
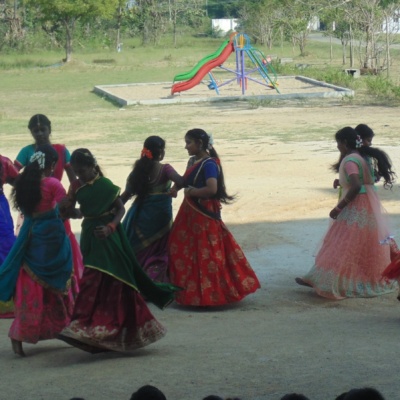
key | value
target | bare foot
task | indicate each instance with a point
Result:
(301, 282)
(17, 347)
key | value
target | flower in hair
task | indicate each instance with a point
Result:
(40, 158)
(210, 141)
(146, 153)
(359, 142)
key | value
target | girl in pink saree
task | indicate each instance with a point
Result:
(355, 250)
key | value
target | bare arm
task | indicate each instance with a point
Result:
(205, 192)
(70, 173)
(125, 196)
(177, 179)
(103, 231)
(67, 206)
(355, 187)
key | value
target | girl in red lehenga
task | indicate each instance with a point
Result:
(204, 257)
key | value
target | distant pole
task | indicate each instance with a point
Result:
(206, 8)
(351, 49)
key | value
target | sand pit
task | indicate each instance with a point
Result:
(289, 87)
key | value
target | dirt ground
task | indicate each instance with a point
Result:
(283, 338)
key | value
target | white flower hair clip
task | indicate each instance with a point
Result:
(40, 158)
(359, 142)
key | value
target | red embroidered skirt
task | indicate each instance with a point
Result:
(110, 315)
(206, 261)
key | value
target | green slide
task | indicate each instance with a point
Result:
(189, 75)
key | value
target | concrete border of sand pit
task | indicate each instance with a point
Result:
(333, 91)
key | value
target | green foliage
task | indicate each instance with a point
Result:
(382, 87)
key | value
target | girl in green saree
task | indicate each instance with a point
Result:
(110, 312)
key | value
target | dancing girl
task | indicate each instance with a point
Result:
(204, 257)
(110, 313)
(37, 271)
(355, 250)
(149, 219)
(40, 128)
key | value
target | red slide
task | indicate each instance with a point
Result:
(204, 70)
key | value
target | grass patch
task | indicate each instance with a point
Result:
(31, 85)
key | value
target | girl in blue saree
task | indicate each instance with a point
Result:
(37, 271)
(149, 219)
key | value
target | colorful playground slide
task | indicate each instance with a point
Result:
(204, 70)
(189, 75)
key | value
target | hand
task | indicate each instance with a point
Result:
(102, 232)
(336, 183)
(173, 192)
(65, 203)
(187, 190)
(334, 213)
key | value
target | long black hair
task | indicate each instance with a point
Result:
(26, 194)
(139, 178)
(198, 134)
(349, 136)
(84, 158)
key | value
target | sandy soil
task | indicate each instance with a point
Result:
(162, 91)
(281, 339)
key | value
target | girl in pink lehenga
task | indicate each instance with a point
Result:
(40, 128)
(355, 250)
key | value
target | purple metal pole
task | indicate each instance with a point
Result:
(242, 72)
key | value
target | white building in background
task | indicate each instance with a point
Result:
(314, 24)
(224, 25)
(393, 23)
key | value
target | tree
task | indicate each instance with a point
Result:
(68, 12)
(260, 20)
(152, 17)
(184, 11)
(11, 30)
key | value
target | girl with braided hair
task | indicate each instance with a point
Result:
(355, 249)
(149, 219)
(37, 271)
(204, 257)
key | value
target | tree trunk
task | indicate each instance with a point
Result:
(387, 47)
(351, 48)
(344, 55)
(69, 29)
